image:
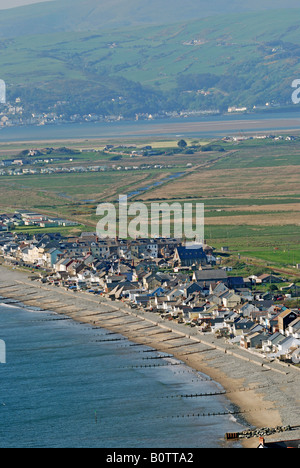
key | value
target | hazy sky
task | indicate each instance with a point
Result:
(16, 3)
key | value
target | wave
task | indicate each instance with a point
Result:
(20, 305)
(10, 306)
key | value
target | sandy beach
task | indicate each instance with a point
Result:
(266, 394)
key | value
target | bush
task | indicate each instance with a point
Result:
(116, 158)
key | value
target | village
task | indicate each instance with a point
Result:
(15, 113)
(189, 286)
(28, 218)
(44, 165)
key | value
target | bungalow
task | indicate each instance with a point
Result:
(34, 218)
(265, 279)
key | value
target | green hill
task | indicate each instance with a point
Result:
(239, 59)
(87, 15)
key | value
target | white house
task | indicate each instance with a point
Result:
(294, 329)
(288, 345)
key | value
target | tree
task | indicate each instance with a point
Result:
(182, 144)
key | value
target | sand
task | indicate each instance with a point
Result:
(267, 394)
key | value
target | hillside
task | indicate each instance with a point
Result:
(87, 15)
(242, 59)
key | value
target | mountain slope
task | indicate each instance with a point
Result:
(243, 59)
(87, 15)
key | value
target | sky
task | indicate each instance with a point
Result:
(15, 3)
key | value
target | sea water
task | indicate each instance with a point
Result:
(65, 385)
(262, 122)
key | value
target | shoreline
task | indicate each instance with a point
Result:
(266, 394)
(85, 131)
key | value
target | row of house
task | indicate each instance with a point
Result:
(29, 218)
(22, 167)
(162, 276)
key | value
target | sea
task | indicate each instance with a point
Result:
(199, 126)
(70, 385)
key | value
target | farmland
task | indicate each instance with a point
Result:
(251, 197)
(250, 189)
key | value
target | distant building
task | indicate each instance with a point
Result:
(237, 109)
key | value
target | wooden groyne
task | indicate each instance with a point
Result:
(263, 432)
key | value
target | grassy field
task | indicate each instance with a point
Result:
(150, 54)
(74, 196)
(272, 243)
(251, 197)
(251, 192)
(65, 231)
